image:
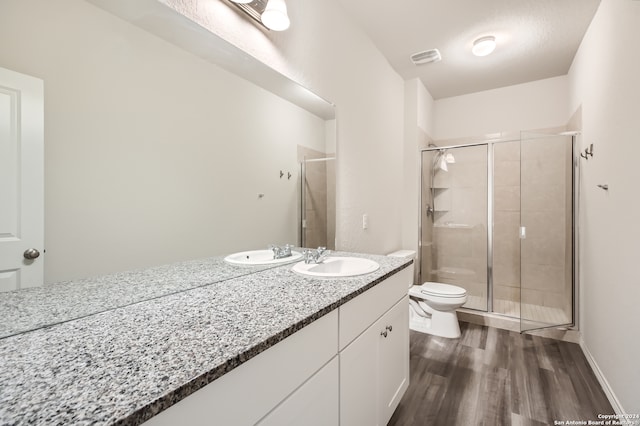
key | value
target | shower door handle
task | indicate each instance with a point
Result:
(523, 232)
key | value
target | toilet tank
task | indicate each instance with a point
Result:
(406, 254)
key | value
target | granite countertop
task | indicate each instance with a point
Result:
(31, 308)
(126, 364)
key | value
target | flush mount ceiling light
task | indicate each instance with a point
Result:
(275, 15)
(484, 46)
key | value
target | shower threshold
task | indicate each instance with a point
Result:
(510, 308)
(512, 324)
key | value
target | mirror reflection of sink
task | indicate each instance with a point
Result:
(260, 257)
(336, 267)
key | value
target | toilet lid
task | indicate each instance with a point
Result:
(442, 290)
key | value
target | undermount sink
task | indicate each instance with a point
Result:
(336, 267)
(260, 257)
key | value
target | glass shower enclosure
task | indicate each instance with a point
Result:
(498, 220)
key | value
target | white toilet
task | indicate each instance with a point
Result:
(432, 308)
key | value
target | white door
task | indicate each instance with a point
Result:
(21, 181)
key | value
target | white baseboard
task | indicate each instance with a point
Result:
(611, 396)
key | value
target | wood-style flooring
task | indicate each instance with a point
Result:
(497, 377)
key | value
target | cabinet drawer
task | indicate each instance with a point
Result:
(362, 311)
(246, 394)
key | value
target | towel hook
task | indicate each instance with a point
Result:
(588, 152)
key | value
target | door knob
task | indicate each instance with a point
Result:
(31, 254)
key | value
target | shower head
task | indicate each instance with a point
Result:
(450, 158)
(443, 158)
(442, 163)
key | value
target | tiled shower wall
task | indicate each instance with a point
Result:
(457, 241)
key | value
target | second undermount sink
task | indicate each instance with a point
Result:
(337, 267)
(260, 257)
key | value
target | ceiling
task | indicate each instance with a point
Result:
(536, 39)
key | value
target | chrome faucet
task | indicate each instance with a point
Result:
(316, 256)
(281, 252)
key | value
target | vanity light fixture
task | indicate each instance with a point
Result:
(484, 46)
(271, 14)
(275, 15)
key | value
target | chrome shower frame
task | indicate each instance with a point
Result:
(575, 184)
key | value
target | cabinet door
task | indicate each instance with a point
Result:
(358, 380)
(315, 403)
(393, 359)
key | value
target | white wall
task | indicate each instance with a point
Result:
(417, 130)
(152, 155)
(326, 52)
(535, 105)
(604, 80)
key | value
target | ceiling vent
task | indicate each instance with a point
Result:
(426, 57)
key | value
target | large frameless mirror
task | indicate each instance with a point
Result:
(163, 143)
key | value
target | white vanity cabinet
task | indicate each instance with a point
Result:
(374, 366)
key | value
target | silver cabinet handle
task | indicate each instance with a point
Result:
(384, 333)
(31, 254)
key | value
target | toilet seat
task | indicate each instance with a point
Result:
(442, 290)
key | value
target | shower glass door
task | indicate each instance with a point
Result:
(454, 220)
(506, 224)
(546, 231)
